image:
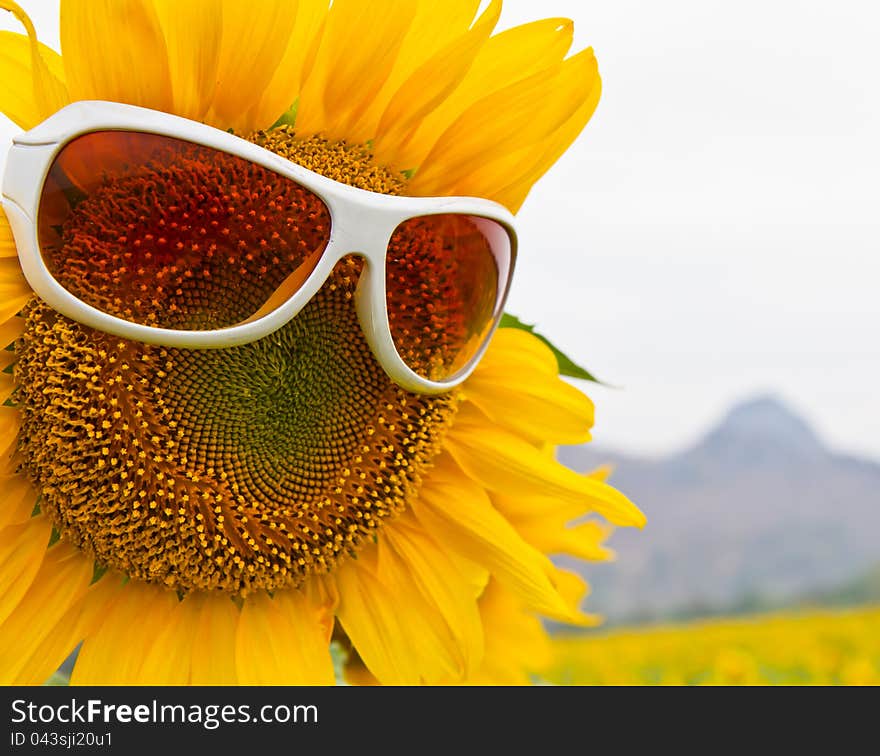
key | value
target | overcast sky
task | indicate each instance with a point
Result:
(715, 231)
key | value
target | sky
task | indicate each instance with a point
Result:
(714, 232)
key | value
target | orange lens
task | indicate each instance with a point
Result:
(167, 233)
(442, 282)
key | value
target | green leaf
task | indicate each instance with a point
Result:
(288, 117)
(567, 366)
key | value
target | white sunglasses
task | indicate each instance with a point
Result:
(131, 221)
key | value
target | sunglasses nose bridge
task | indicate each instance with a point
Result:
(359, 230)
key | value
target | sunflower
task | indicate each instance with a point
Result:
(224, 516)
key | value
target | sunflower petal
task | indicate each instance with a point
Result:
(426, 88)
(7, 242)
(281, 641)
(505, 58)
(169, 659)
(548, 152)
(32, 74)
(516, 642)
(19, 499)
(506, 463)
(553, 536)
(115, 50)
(7, 357)
(514, 348)
(213, 646)
(10, 331)
(574, 589)
(399, 646)
(358, 51)
(114, 653)
(520, 506)
(459, 513)
(434, 27)
(441, 582)
(192, 57)
(295, 64)
(321, 594)
(12, 282)
(501, 123)
(61, 638)
(548, 409)
(60, 583)
(22, 550)
(14, 289)
(9, 424)
(255, 38)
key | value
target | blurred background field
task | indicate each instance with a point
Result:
(759, 565)
(839, 647)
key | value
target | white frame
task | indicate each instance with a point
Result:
(362, 223)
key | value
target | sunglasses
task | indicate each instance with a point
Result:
(159, 229)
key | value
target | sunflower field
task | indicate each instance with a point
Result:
(815, 648)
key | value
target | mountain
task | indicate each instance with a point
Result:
(759, 510)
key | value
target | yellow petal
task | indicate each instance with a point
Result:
(434, 27)
(516, 642)
(426, 88)
(401, 637)
(521, 505)
(10, 331)
(10, 464)
(168, 660)
(440, 581)
(7, 356)
(541, 158)
(60, 583)
(281, 641)
(213, 647)
(7, 242)
(574, 589)
(9, 424)
(115, 50)
(547, 408)
(501, 123)
(193, 31)
(459, 513)
(505, 463)
(62, 637)
(322, 596)
(115, 652)
(19, 499)
(295, 65)
(14, 289)
(358, 49)
(552, 536)
(32, 74)
(22, 550)
(255, 38)
(505, 58)
(514, 349)
(14, 295)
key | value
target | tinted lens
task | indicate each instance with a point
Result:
(163, 232)
(443, 277)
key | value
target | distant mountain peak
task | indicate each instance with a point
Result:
(767, 424)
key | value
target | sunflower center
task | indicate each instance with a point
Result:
(238, 469)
